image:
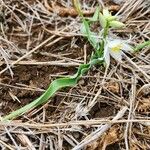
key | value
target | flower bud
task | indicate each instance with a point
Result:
(106, 13)
(102, 20)
(112, 18)
(116, 24)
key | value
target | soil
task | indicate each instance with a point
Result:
(22, 34)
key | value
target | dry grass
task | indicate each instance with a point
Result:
(108, 109)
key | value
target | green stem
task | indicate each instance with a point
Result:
(105, 32)
(141, 46)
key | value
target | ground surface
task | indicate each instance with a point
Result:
(73, 114)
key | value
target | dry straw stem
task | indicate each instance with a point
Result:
(33, 50)
(128, 131)
(94, 100)
(47, 63)
(91, 122)
(103, 128)
(62, 57)
(129, 7)
(58, 126)
(6, 145)
(70, 11)
(137, 67)
(11, 137)
(145, 86)
(36, 48)
(25, 141)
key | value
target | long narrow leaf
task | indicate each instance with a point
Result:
(95, 16)
(63, 82)
(53, 88)
(142, 45)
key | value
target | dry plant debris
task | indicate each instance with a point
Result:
(39, 44)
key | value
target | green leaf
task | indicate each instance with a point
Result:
(53, 88)
(91, 36)
(142, 45)
(85, 30)
(95, 16)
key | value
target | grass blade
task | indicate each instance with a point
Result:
(53, 88)
(142, 45)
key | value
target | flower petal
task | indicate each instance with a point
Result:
(106, 55)
(114, 43)
(117, 55)
(126, 47)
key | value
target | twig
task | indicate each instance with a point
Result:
(136, 66)
(70, 11)
(99, 91)
(25, 141)
(6, 145)
(47, 63)
(130, 115)
(30, 52)
(146, 86)
(12, 139)
(71, 123)
(96, 134)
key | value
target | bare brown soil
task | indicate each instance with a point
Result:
(64, 121)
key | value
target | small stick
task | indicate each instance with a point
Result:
(71, 11)
(136, 66)
(6, 145)
(47, 63)
(96, 134)
(30, 52)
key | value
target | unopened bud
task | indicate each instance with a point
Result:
(116, 24)
(102, 20)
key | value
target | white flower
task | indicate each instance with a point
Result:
(115, 49)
